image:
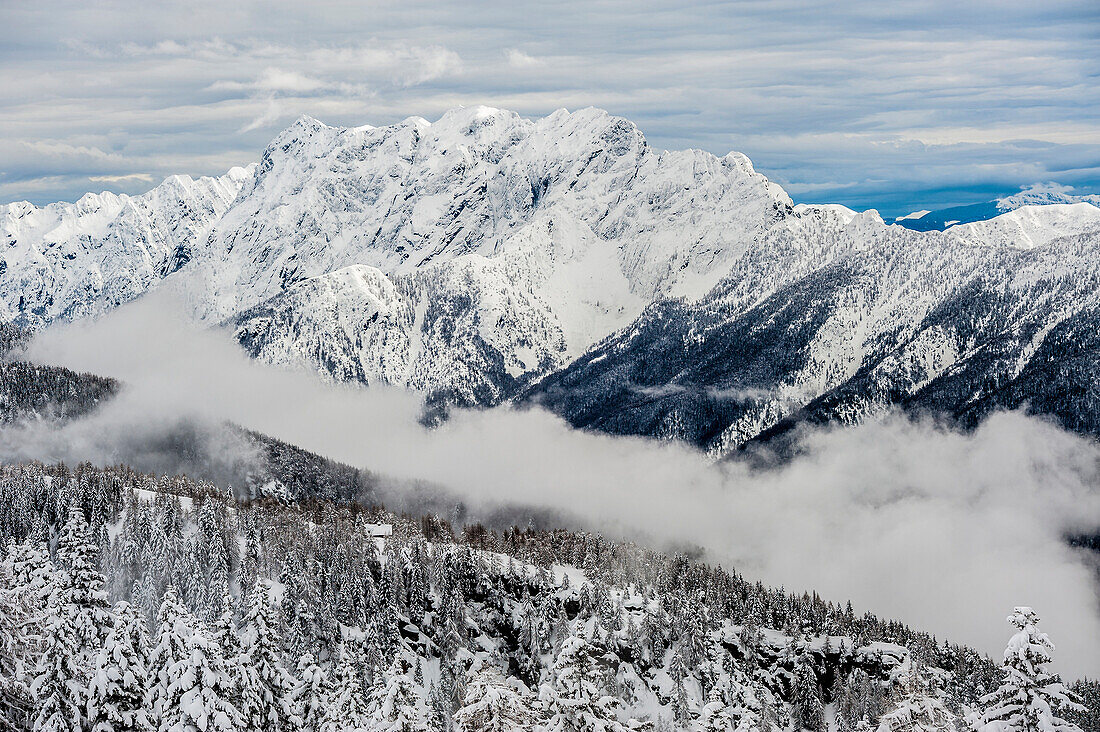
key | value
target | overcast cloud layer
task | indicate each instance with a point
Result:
(945, 530)
(898, 105)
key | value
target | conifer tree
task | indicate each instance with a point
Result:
(79, 619)
(346, 710)
(312, 693)
(577, 698)
(190, 689)
(491, 705)
(19, 636)
(1030, 699)
(32, 573)
(806, 697)
(677, 670)
(267, 686)
(398, 705)
(60, 683)
(120, 683)
(530, 641)
(80, 587)
(919, 709)
(715, 718)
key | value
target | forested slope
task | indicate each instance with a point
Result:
(235, 615)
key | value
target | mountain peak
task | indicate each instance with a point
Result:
(307, 122)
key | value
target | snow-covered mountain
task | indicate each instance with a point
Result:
(454, 256)
(993, 314)
(485, 256)
(1035, 195)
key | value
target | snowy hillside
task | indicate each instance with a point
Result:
(168, 605)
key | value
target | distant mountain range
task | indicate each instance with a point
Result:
(486, 258)
(1038, 195)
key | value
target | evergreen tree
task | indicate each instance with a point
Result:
(1087, 692)
(806, 697)
(715, 718)
(80, 587)
(677, 670)
(919, 709)
(120, 683)
(577, 699)
(346, 708)
(398, 705)
(312, 693)
(32, 574)
(236, 664)
(267, 686)
(530, 641)
(491, 705)
(18, 646)
(189, 686)
(79, 618)
(60, 683)
(1030, 699)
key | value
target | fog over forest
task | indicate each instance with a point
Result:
(907, 517)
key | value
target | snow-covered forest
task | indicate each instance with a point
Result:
(136, 602)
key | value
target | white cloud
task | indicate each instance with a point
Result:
(55, 148)
(272, 111)
(1048, 187)
(273, 80)
(520, 60)
(142, 177)
(930, 107)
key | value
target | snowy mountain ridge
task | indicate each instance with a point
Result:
(1035, 195)
(540, 237)
(476, 255)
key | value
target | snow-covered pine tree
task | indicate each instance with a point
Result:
(677, 670)
(1030, 699)
(228, 641)
(80, 587)
(212, 562)
(249, 570)
(79, 617)
(32, 573)
(806, 697)
(530, 639)
(860, 700)
(492, 705)
(715, 718)
(19, 636)
(577, 699)
(190, 688)
(740, 696)
(60, 683)
(311, 694)
(267, 687)
(918, 713)
(170, 646)
(346, 708)
(919, 709)
(398, 706)
(1087, 692)
(119, 681)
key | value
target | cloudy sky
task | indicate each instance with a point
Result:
(899, 105)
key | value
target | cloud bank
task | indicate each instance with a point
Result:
(906, 518)
(900, 105)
